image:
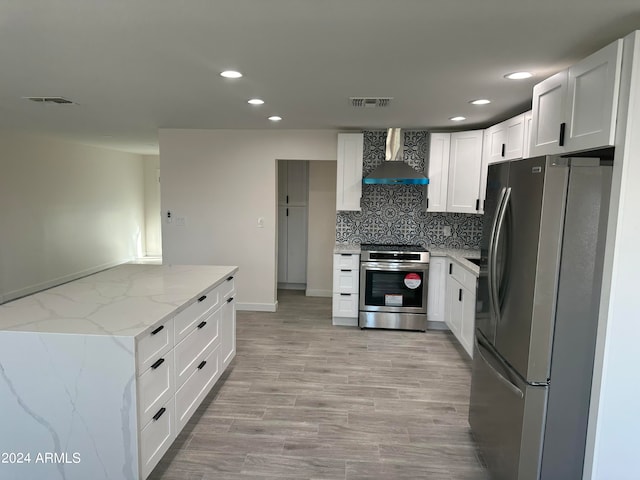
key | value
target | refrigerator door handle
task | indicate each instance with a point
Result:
(493, 251)
(513, 388)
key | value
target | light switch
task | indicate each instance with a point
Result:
(260, 222)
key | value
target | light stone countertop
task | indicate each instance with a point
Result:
(347, 248)
(128, 300)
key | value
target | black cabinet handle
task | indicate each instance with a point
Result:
(345, 270)
(503, 149)
(345, 294)
(229, 278)
(203, 297)
(230, 299)
(563, 127)
(484, 204)
(159, 414)
(450, 268)
(157, 330)
(460, 295)
(478, 204)
(202, 324)
(287, 198)
(427, 203)
(202, 364)
(346, 254)
(287, 212)
(157, 364)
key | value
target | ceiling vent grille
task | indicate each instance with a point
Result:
(360, 102)
(56, 100)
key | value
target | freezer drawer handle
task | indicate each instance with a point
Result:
(514, 389)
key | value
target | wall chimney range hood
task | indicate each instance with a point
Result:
(393, 171)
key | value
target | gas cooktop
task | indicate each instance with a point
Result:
(374, 247)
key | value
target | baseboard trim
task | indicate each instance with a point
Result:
(292, 286)
(54, 282)
(318, 293)
(431, 325)
(344, 321)
(257, 307)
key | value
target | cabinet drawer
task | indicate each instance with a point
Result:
(462, 275)
(345, 305)
(155, 387)
(156, 437)
(349, 261)
(189, 318)
(196, 387)
(346, 280)
(227, 288)
(189, 352)
(153, 345)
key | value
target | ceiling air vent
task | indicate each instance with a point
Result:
(56, 100)
(370, 101)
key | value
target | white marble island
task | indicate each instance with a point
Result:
(97, 376)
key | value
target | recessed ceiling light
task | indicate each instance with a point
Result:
(518, 75)
(275, 118)
(230, 74)
(480, 101)
(458, 119)
(255, 101)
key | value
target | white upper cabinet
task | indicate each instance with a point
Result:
(465, 172)
(438, 172)
(505, 140)
(349, 175)
(455, 172)
(526, 147)
(593, 99)
(575, 109)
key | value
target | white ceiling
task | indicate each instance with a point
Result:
(134, 66)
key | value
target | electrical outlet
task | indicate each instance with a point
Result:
(446, 230)
(181, 221)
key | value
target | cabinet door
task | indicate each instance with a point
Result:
(548, 115)
(514, 137)
(436, 289)
(465, 172)
(453, 308)
(438, 172)
(592, 103)
(467, 300)
(495, 138)
(297, 182)
(526, 146)
(349, 175)
(228, 332)
(296, 270)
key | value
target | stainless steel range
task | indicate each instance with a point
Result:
(393, 287)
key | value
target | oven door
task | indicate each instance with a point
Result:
(393, 287)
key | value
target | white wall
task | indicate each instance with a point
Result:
(220, 182)
(67, 210)
(322, 228)
(153, 234)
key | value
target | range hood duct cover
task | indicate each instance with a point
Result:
(393, 171)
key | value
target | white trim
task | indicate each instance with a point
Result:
(318, 293)
(257, 307)
(23, 292)
(345, 321)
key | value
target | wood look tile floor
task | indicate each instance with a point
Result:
(306, 400)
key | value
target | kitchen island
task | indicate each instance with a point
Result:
(98, 376)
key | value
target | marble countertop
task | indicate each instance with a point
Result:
(347, 248)
(122, 301)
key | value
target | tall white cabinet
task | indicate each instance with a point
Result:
(293, 194)
(576, 109)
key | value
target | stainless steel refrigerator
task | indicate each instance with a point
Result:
(536, 320)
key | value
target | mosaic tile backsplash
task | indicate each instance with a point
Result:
(395, 213)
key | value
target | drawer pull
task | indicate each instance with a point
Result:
(157, 330)
(345, 270)
(159, 414)
(229, 278)
(202, 364)
(230, 299)
(157, 364)
(202, 324)
(203, 297)
(345, 294)
(346, 254)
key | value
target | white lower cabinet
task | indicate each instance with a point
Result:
(436, 290)
(184, 357)
(460, 301)
(346, 284)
